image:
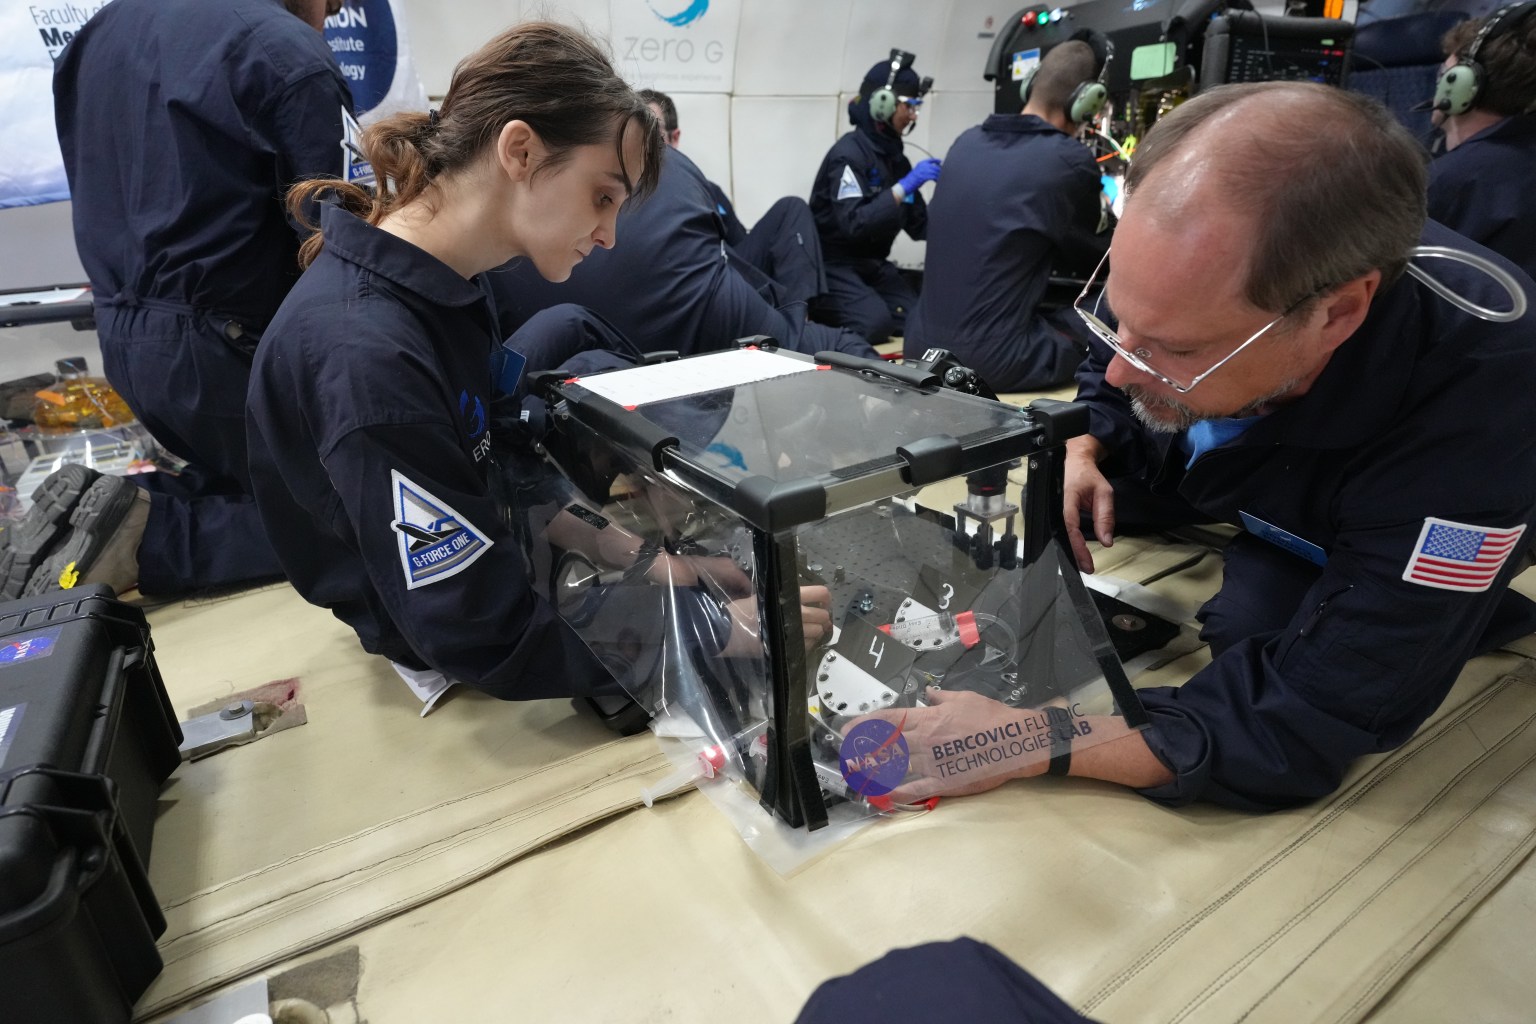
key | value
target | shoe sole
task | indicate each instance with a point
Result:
(95, 517)
(28, 544)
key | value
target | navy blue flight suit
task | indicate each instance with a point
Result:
(669, 282)
(859, 218)
(1482, 189)
(1422, 414)
(783, 247)
(1020, 199)
(371, 458)
(783, 244)
(182, 123)
(959, 980)
(735, 230)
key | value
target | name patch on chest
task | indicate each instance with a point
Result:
(435, 541)
(1284, 540)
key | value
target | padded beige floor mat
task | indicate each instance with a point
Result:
(1482, 971)
(366, 827)
(263, 851)
(1347, 903)
(1138, 912)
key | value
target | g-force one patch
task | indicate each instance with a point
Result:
(849, 187)
(435, 541)
(355, 168)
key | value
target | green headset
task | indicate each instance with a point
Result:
(1457, 88)
(1088, 99)
(883, 101)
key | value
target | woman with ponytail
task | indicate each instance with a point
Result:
(369, 436)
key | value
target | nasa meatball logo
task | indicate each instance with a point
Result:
(874, 757)
(474, 417)
(687, 16)
(28, 648)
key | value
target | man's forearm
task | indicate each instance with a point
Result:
(1126, 760)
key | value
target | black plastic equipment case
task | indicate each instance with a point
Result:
(87, 739)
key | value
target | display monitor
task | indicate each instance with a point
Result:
(1243, 46)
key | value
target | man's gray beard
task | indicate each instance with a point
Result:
(1144, 402)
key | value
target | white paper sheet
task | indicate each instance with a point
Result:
(428, 685)
(696, 376)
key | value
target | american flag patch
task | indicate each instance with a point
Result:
(1456, 556)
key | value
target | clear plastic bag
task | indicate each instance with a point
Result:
(869, 654)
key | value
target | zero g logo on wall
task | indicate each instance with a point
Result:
(363, 39)
(680, 45)
(687, 16)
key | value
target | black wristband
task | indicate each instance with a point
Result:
(1061, 740)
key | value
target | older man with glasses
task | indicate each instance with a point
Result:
(1288, 346)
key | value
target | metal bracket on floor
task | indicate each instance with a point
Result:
(238, 722)
(244, 1005)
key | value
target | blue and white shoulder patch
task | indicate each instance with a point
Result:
(354, 166)
(849, 187)
(435, 541)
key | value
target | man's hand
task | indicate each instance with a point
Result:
(965, 743)
(815, 620)
(815, 614)
(1085, 488)
(718, 571)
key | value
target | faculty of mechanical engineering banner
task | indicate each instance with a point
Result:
(369, 44)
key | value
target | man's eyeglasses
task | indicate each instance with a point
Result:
(1138, 357)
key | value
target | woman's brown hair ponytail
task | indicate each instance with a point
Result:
(548, 75)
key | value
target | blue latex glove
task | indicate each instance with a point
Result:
(922, 174)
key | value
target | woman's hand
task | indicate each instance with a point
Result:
(815, 620)
(718, 572)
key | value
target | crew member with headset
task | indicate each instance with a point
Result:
(1483, 101)
(671, 286)
(1021, 198)
(864, 194)
(781, 254)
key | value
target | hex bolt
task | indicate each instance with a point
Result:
(239, 709)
